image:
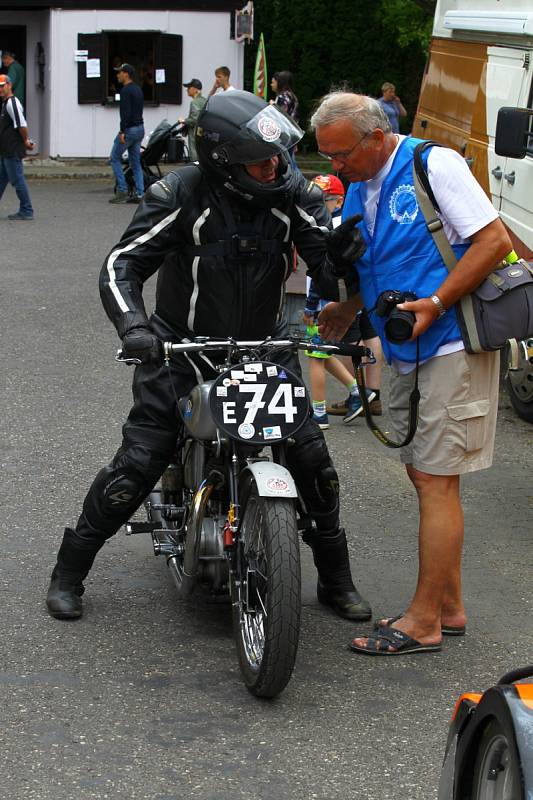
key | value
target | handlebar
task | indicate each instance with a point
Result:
(202, 344)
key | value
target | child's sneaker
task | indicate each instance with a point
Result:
(354, 406)
(322, 421)
(338, 409)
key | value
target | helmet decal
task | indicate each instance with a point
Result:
(269, 128)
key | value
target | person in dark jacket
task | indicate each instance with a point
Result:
(14, 142)
(219, 233)
(129, 137)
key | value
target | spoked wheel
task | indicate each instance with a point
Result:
(266, 593)
(496, 772)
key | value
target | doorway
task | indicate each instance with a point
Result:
(13, 37)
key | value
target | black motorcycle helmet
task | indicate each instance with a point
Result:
(237, 128)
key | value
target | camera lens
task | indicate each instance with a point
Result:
(399, 326)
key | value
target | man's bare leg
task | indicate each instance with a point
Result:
(441, 534)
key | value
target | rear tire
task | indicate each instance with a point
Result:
(266, 592)
(496, 770)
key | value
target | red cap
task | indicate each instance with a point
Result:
(330, 185)
(4, 79)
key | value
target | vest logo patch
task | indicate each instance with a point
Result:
(402, 205)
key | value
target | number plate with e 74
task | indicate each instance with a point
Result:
(259, 402)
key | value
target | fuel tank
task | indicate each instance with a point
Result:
(196, 414)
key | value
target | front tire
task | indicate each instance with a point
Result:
(496, 770)
(266, 592)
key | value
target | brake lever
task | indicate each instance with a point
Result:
(131, 362)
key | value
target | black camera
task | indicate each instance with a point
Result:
(399, 325)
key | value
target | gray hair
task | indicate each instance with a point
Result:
(362, 111)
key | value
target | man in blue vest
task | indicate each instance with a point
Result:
(459, 392)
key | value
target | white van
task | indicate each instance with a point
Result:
(480, 60)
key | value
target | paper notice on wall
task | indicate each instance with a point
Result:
(160, 76)
(81, 55)
(93, 67)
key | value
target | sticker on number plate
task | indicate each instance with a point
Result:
(246, 430)
(273, 432)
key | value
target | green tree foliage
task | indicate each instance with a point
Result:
(357, 44)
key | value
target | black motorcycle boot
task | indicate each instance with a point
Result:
(335, 585)
(74, 560)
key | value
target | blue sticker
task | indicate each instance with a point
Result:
(282, 375)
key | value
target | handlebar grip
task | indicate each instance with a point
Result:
(354, 351)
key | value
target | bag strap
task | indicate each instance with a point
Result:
(429, 207)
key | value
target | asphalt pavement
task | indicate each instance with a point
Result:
(142, 698)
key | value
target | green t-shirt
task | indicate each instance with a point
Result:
(16, 76)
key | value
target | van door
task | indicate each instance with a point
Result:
(509, 84)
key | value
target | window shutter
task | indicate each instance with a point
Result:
(92, 90)
(169, 57)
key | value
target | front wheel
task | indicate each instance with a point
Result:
(266, 593)
(496, 771)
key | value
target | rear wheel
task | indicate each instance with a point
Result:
(266, 592)
(496, 771)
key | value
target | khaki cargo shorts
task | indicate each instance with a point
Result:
(457, 414)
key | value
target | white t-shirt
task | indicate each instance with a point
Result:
(465, 208)
(229, 88)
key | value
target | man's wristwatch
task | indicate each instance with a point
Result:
(438, 302)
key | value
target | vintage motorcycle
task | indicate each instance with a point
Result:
(489, 753)
(225, 514)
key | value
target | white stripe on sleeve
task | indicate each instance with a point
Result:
(311, 220)
(16, 112)
(151, 234)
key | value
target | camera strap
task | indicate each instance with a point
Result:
(414, 402)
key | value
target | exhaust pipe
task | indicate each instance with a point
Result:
(185, 577)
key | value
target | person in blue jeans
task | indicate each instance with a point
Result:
(13, 145)
(129, 137)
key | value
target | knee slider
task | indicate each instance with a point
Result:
(124, 490)
(312, 467)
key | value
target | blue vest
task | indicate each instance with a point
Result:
(401, 254)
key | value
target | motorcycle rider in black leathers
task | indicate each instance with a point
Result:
(219, 233)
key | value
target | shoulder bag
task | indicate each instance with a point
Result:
(501, 308)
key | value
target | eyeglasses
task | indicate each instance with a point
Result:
(346, 155)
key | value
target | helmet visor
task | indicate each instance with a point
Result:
(264, 136)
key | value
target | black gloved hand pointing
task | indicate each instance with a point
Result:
(345, 244)
(141, 343)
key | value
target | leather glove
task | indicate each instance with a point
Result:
(141, 343)
(344, 245)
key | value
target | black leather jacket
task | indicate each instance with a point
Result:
(222, 268)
